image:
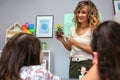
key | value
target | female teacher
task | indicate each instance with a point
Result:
(86, 19)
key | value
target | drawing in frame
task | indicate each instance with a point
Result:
(44, 26)
(116, 5)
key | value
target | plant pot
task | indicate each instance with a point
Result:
(59, 34)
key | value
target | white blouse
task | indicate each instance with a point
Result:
(84, 39)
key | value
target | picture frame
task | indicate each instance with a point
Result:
(44, 26)
(116, 6)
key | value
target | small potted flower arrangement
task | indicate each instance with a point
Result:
(59, 30)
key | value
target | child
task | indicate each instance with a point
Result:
(21, 58)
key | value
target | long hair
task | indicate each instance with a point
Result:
(93, 15)
(106, 41)
(21, 50)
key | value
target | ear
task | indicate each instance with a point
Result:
(95, 58)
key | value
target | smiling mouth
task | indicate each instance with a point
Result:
(80, 18)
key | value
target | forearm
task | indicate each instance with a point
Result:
(66, 45)
(83, 47)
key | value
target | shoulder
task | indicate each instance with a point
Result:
(33, 67)
(72, 31)
(72, 28)
(35, 72)
(93, 70)
(90, 30)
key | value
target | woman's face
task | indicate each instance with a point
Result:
(83, 15)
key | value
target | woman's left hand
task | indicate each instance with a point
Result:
(70, 40)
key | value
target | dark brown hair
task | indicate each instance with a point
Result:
(106, 41)
(21, 50)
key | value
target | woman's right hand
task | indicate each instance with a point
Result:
(61, 38)
(66, 44)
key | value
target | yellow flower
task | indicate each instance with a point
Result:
(58, 25)
(59, 28)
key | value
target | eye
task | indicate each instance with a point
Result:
(83, 12)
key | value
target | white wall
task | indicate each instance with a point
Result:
(12, 11)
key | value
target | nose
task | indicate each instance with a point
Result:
(80, 14)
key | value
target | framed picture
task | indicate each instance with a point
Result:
(116, 5)
(44, 26)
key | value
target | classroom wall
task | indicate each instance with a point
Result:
(12, 11)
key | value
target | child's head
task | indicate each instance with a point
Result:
(21, 50)
(24, 48)
(106, 42)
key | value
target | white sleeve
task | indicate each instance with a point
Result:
(71, 31)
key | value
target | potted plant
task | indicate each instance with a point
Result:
(59, 30)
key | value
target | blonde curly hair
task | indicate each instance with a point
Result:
(93, 15)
